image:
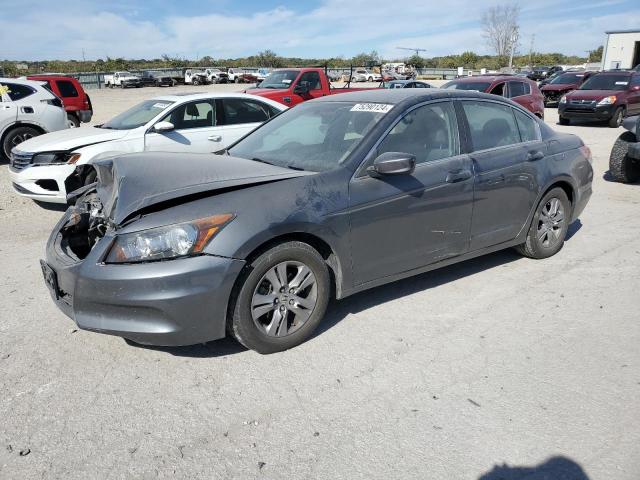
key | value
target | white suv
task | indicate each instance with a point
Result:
(44, 168)
(27, 110)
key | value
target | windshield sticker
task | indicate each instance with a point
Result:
(371, 107)
(161, 105)
(622, 83)
(286, 80)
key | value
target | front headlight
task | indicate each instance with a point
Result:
(608, 100)
(55, 158)
(563, 99)
(169, 242)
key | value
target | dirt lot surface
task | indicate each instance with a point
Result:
(497, 368)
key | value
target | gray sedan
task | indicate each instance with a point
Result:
(335, 196)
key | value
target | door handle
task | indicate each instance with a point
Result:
(455, 176)
(214, 138)
(535, 155)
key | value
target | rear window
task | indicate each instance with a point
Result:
(474, 86)
(67, 89)
(517, 89)
(607, 82)
(15, 91)
(492, 125)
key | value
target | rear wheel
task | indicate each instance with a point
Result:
(16, 137)
(616, 119)
(72, 121)
(621, 167)
(549, 226)
(280, 299)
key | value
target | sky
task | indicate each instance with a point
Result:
(65, 29)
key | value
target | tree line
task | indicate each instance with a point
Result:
(268, 58)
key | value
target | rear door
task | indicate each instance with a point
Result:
(195, 130)
(404, 222)
(8, 109)
(506, 170)
(240, 116)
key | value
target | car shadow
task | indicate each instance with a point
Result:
(339, 310)
(555, 468)
(588, 123)
(53, 207)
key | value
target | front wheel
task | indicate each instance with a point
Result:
(616, 119)
(563, 121)
(280, 299)
(549, 226)
(623, 168)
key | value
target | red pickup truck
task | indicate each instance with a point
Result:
(291, 86)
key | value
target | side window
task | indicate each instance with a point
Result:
(429, 132)
(635, 81)
(312, 80)
(419, 85)
(193, 115)
(516, 89)
(67, 89)
(492, 125)
(529, 131)
(238, 111)
(16, 91)
(498, 89)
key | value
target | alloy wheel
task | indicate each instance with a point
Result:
(550, 223)
(284, 299)
(18, 139)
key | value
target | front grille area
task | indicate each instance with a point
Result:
(20, 160)
(583, 102)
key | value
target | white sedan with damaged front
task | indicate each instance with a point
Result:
(44, 168)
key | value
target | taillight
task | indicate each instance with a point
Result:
(586, 152)
(56, 102)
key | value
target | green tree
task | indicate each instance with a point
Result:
(596, 55)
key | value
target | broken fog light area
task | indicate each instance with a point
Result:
(85, 225)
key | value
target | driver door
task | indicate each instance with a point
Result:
(312, 81)
(196, 130)
(404, 222)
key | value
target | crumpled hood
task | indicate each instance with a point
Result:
(558, 87)
(129, 183)
(70, 139)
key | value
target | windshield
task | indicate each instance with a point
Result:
(125, 74)
(279, 79)
(606, 82)
(568, 78)
(312, 136)
(475, 86)
(137, 116)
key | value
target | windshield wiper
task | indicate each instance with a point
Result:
(261, 161)
(295, 168)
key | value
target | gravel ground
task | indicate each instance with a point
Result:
(497, 368)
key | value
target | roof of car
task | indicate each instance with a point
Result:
(181, 97)
(23, 81)
(394, 96)
(489, 78)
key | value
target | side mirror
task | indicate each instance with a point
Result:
(392, 163)
(163, 127)
(301, 89)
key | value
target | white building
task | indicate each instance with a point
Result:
(621, 50)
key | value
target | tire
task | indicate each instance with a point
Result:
(72, 121)
(616, 118)
(553, 230)
(196, 82)
(265, 333)
(122, 85)
(237, 80)
(370, 79)
(622, 168)
(563, 121)
(17, 136)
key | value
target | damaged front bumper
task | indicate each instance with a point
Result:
(173, 302)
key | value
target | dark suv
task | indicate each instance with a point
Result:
(519, 89)
(561, 85)
(608, 96)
